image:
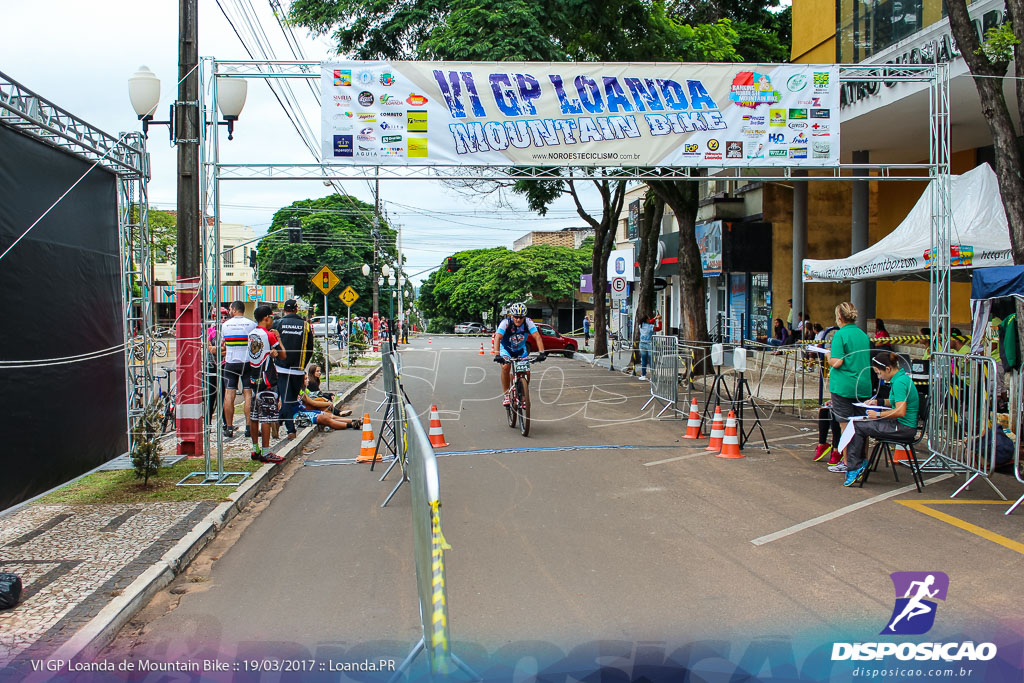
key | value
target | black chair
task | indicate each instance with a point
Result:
(885, 447)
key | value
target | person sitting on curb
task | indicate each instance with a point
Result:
(320, 411)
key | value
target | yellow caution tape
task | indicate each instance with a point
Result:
(439, 617)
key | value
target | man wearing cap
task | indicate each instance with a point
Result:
(297, 340)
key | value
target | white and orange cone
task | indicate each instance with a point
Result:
(436, 435)
(731, 441)
(693, 423)
(482, 349)
(900, 453)
(369, 444)
(430, 340)
(717, 432)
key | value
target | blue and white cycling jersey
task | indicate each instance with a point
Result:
(513, 337)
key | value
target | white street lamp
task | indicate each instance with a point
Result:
(144, 93)
(366, 270)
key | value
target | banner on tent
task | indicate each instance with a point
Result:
(574, 114)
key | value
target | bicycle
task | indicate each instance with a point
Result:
(167, 399)
(518, 408)
(158, 347)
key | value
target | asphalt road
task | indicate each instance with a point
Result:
(658, 545)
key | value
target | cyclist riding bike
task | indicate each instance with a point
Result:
(510, 342)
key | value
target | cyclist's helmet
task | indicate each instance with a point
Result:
(517, 309)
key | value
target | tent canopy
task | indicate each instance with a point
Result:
(980, 237)
(995, 283)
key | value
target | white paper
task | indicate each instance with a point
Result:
(816, 349)
(847, 435)
(869, 406)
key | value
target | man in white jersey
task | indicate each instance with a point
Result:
(234, 335)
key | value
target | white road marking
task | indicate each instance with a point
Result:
(679, 457)
(827, 517)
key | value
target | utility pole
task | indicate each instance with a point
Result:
(189, 411)
(374, 273)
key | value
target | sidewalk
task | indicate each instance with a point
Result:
(86, 569)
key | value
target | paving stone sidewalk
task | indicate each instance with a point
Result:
(75, 559)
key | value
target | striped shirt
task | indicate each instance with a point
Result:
(235, 334)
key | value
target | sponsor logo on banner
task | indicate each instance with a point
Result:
(751, 89)
(416, 100)
(821, 113)
(797, 114)
(344, 126)
(346, 114)
(390, 101)
(367, 117)
(800, 138)
(391, 125)
(364, 77)
(391, 138)
(387, 79)
(393, 114)
(777, 117)
(713, 145)
(753, 132)
(393, 151)
(752, 120)
(797, 125)
(821, 79)
(417, 147)
(733, 149)
(798, 152)
(367, 149)
(342, 145)
(416, 122)
(691, 150)
(342, 100)
(819, 131)
(756, 152)
(713, 156)
(342, 77)
(366, 98)
(366, 131)
(778, 153)
(796, 82)
(362, 137)
(821, 149)
(776, 138)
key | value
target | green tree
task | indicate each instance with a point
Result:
(988, 63)
(337, 231)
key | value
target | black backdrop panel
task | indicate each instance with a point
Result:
(61, 286)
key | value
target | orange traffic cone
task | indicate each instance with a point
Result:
(731, 442)
(369, 445)
(435, 434)
(717, 432)
(482, 349)
(693, 424)
(900, 453)
(430, 340)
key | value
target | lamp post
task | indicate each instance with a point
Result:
(183, 122)
(395, 289)
(385, 271)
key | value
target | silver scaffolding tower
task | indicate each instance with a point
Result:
(126, 157)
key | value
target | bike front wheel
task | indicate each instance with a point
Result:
(523, 407)
(160, 349)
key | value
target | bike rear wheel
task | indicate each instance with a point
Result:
(523, 407)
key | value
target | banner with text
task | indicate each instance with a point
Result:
(580, 114)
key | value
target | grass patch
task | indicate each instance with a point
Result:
(121, 486)
(346, 378)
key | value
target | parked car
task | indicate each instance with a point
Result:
(553, 341)
(317, 323)
(470, 328)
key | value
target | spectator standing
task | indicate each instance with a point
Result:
(647, 329)
(789, 316)
(263, 348)
(297, 340)
(881, 333)
(405, 331)
(234, 334)
(212, 370)
(899, 423)
(586, 330)
(849, 381)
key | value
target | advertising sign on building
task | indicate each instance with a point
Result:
(709, 240)
(580, 114)
(633, 220)
(621, 264)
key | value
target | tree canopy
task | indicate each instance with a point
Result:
(337, 231)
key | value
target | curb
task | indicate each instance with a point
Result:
(101, 629)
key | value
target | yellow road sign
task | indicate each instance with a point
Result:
(348, 296)
(325, 280)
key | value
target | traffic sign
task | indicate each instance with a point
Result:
(325, 280)
(618, 288)
(348, 296)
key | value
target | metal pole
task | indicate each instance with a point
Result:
(327, 347)
(373, 274)
(189, 352)
(348, 337)
(401, 288)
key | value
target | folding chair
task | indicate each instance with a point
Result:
(885, 447)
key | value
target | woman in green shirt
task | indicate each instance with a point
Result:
(899, 423)
(849, 380)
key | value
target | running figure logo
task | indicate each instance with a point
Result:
(914, 612)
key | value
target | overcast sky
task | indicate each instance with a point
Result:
(80, 55)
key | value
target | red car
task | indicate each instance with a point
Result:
(553, 341)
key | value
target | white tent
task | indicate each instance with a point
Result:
(980, 237)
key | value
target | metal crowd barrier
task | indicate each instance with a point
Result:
(962, 417)
(393, 425)
(1020, 428)
(428, 547)
(664, 372)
